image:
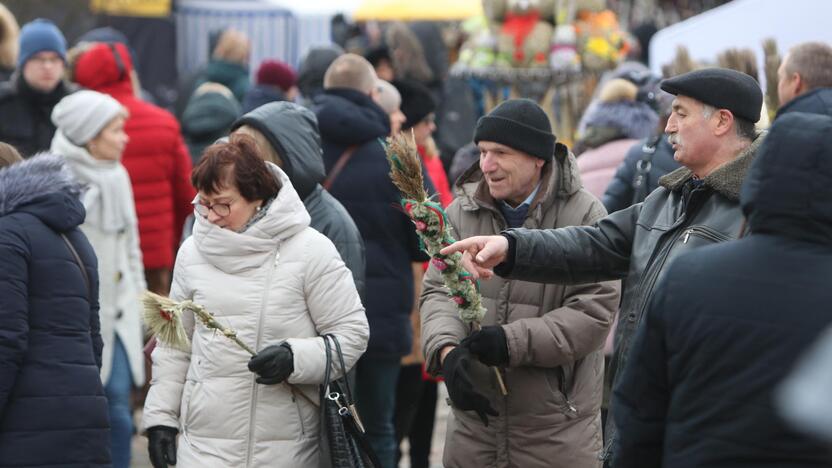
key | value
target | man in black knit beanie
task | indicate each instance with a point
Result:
(545, 338)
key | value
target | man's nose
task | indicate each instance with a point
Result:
(487, 162)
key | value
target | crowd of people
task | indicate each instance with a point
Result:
(654, 295)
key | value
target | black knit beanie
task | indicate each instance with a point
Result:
(417, 102)
(520, 124)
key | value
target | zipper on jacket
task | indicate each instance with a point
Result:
(272, 264)
(569, 408)
(705, 233)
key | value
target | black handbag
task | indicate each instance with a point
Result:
(342, 440)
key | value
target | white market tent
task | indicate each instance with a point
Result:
(744, 23)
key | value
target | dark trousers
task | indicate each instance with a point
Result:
(415, 414)
(375, 390)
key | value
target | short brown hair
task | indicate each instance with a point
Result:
(813, 62)
(235, 162)
(350, 71)
(8, 155)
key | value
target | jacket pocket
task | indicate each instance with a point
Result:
(185, 408)
(560, 383)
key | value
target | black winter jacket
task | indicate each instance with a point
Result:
(347, 117)
(620, 191)
(292, 131)
(636, 243)
(727, 323)
(817, 101)
(26, 115)
(53, 411)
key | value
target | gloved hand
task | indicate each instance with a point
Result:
(455, 369)
(488, 345)
(273, 364)
(161, 445)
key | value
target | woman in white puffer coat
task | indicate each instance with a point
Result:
(254, 262)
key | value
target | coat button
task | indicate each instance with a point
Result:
(631, 316)
(119, 276)
(120, 314)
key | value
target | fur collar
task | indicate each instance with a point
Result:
(726, 179)
(25, 181)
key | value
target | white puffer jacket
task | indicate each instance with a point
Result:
(280, 280)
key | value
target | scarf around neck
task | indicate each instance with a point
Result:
(108, 198)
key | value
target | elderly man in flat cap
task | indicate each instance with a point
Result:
(712, 132)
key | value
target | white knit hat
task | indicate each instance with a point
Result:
(82, 115)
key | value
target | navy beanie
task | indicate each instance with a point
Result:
(40, 35)
(520, 124)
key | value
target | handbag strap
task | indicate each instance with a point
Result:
(344, 379)
(327, 370)
(339, 166)
(80, 265)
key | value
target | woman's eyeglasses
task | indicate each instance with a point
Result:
(219, 209)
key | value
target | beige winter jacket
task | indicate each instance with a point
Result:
(551, 416)
(279, 280)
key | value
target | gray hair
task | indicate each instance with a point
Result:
(813, 62)
(745, 128)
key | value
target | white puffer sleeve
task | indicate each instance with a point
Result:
(335, 307)
(170, 366)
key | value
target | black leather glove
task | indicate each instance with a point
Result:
(161, 445)
(488, 345)
(455, 369)
(273, 364)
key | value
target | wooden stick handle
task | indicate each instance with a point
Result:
(500, 382)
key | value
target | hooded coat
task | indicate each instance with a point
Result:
(155, 157)
(53, 411)
(207, 118)
(292, 131)
(551, 416)
(728, 323)
(346, 118)
(636, 243)
(279, 280)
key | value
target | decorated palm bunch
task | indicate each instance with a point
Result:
(432, 227)
(434, 231)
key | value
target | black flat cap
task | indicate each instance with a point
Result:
(721, 88)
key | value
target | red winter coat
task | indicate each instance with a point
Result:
(436, 172)
(156, 157)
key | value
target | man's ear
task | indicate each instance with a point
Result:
(725, 122)
(797, 84)
(538, 163)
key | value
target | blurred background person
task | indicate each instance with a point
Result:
(27, 99)
(274, 81)
(613, 126)
(312, 68)
(53, 411)
(90, 136)
(229, 64)
(208, 117)
(388, 98)
(155, 157)
(9, 47)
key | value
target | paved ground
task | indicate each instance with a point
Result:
(140, 459)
